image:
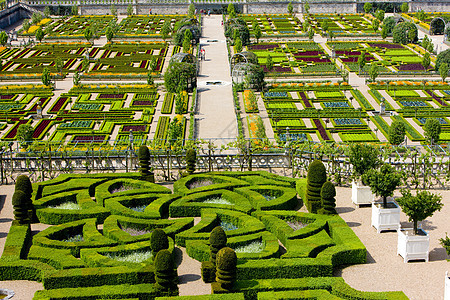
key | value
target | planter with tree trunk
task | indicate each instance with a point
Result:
(414, 243)
(363, 158)
(383, 182)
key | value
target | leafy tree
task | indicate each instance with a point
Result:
(166, 29)
(76, 78)
(306, 7)
(130, 10)
(150, 80)
(290, 8)
(191, 10)
(421, 15)
(367, 7)
(36, 18)
(109, 33)
(443, 57)
(384, 32)
(404, 7)
(254, 78)
(389, 24)
(382, 182)
(426, 60)
(373, 71)
(269, 63)
(375, 24)
(379, 14)
(85, 65)
(331, 35)
(25, 135)
(311, 34)
(443, 71)
(257, 31)
(186, 44)
(113, 10)
(179, 75)
(363, 157)
(361, 61)
(59, 64)
(3, 38)
(88, 34)
(231, 11)
(26, 25)
(404, 33)
(324, 25)
(46, 77)
(238, 45)
(420, 206)
(39, 34)
(74, 10)
(153, 64)
(432, 130)
(47, 11)
(397, 132)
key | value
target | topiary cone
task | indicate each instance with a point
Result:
(191, 159)
(317, 175)
(158, 241)
(217, 240)
(144, 160)
(226, 268)
(23, 184)
(20, 205)
(166, 277)
(328, 194)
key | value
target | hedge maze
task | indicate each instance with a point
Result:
(104, 228)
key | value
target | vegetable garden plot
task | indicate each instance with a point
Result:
(389, 57)
(273, 25)
(294, 58)
(343, 24)
(75, 26)
(148, 26)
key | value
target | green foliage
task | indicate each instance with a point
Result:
(383, 182)
(443, 57)
(231, 11)
(363, 157)
(144, 160)
(317, 175)
(217, 240)
(405, 33)
(375, 24)
(158, 241)
(74, 10)
(256, 31)
(238, 45)
(166, 29)
(379, 14)
(25, 135)
(47, 11)
(23, 183)
(236, 27)
(191, 159)
(21, 204)
(445, 242)
(180, 76)
(129, 10)
(311, 34)
(432, 130)
(404, 7)
(109, 33)
(39, 34)
(191, 10)
(113, 10)
(88, 33)
(25, 26)
(254, 78)
(367, 7)
(166, 274)
(420, 206)
(373, 71)
(443, 70)
(397, 132)
(290, 8)
(306, 7)
(426, 60)
(361, 61)
(327, 193)
(226, 268)
(208, 271)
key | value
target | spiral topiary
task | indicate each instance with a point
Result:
(217, 240)
(23, 184)
(144, 160)
(327, 193)
(317, 175)
(226, 268)
(166, 277)
(158, 241)
(191, 158)
(20, 204)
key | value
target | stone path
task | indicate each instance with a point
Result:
(216, 118)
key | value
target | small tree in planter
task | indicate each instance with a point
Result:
(363, 158)
(383, 182)
(420, 206)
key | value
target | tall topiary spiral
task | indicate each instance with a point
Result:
(217, 240)
(226, 268)
(23, 184)
(317, 175)
(166, 276)
(20, 205)
(158, 241)
(191, 158)
(328, 192)
(144, 160)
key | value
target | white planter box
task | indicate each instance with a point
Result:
(385, 218)
(361, 194)
(447, 287)
(412, 247)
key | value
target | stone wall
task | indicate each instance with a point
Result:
(12, 15)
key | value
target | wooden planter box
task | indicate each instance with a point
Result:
(412, 247)
(385, 218)
(447, 287)
(361, 194)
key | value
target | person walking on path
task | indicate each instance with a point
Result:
(209, 12)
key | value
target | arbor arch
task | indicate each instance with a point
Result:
(438, 26)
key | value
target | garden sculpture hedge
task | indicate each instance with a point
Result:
(21, 205)
(158, 241)
(191, 158)
(166, 274)
(317, 175)
(144, 160)
(327, 193)
(225, 269)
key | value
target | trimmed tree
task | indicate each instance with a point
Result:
(269, 63)
(180, 76)
(23, 183)
(166, 277)
(217, 241)
(420, 206)
(25, 135)
(363, 157)
(39, 34)
(290, 8)
(404, 7)
(367, 7)
(404, 33)
(432, 130)
(130, 10)
(20, 203)
(306, 7)
(144, 160)
(397, 132)
(317, 175)
(191, 159)
(373, 71)
(257, 31)
(443, 71)
(426, 60)
(382, 182)
(46, 77)
(158, 241)
(225, 269)
(327, 193)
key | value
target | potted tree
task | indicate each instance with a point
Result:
(383, 182)
(414, 243)
(363, 158)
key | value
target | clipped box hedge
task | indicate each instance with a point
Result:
(214, 182)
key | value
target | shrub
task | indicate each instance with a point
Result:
(397, 132)
(217, 241)
(327, 193)
(23, 184)
(165, 273)
(144, 158)
(226, 268)
(158, 241)
(432, 130)
(317, 175)
(383, 182)
(191, 158)
(21, 204)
